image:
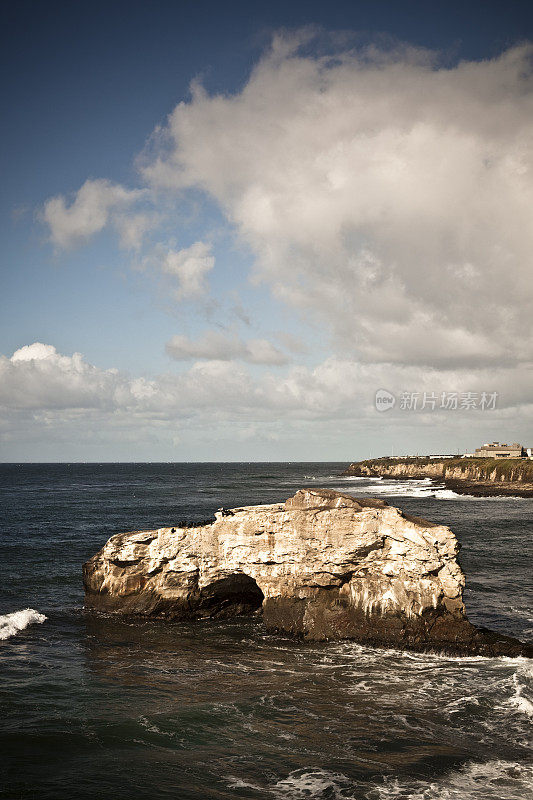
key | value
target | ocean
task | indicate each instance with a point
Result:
(95, 706)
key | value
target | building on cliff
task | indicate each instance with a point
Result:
(497, 450)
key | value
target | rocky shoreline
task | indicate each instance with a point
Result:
(478, 477)
(321, 566)
(487, 489)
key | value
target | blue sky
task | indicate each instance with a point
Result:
(339, 208)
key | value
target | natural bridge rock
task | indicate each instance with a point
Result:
(322, 566)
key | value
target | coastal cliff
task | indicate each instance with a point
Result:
(322, 565)
(475, 476)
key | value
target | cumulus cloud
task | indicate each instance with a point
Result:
(383, 196)
(386, 195)
(34, 352)
(379, 192)
(190, 266)
(38, 377)
(292, 342)
(59, 405)
(216, 345)
(132, 228)
(88, 213)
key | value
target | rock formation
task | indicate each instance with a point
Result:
(322, 566)
(483, 477)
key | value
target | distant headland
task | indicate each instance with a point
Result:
(494, 469)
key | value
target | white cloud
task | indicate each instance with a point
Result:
(132, 229)
(190, 266)
(65, 403)
(292, 342)
(38, 377)
(217, 345)
(88, 213)
(34, 352)
(386, 196)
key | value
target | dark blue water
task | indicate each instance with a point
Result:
(98, 707)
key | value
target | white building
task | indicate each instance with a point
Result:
(497, 450)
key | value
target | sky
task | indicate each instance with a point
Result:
(265, 232)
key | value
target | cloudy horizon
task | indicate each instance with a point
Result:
(343, 218)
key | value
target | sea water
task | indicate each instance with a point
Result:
(95, 706)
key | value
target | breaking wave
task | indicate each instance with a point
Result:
(312, 783)
(418, 488)
(490, 780)
(518, 700)
(11, 624)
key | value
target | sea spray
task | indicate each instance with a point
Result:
(11, 624)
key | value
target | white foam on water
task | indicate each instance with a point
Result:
(489, 780)
(357, 478)
(11, 624)
(149, 726)
(238, 783)
(311, 783)
(448, 494)
(408, 488)
(418, 488)
(458, 705)
(517, 699)
(492, 780)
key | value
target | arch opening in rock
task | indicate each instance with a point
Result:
(234, 595)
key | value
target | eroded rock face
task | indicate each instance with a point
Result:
(322, 565)
(476, 476)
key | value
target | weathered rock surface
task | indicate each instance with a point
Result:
(322, 565)
(482, 477)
